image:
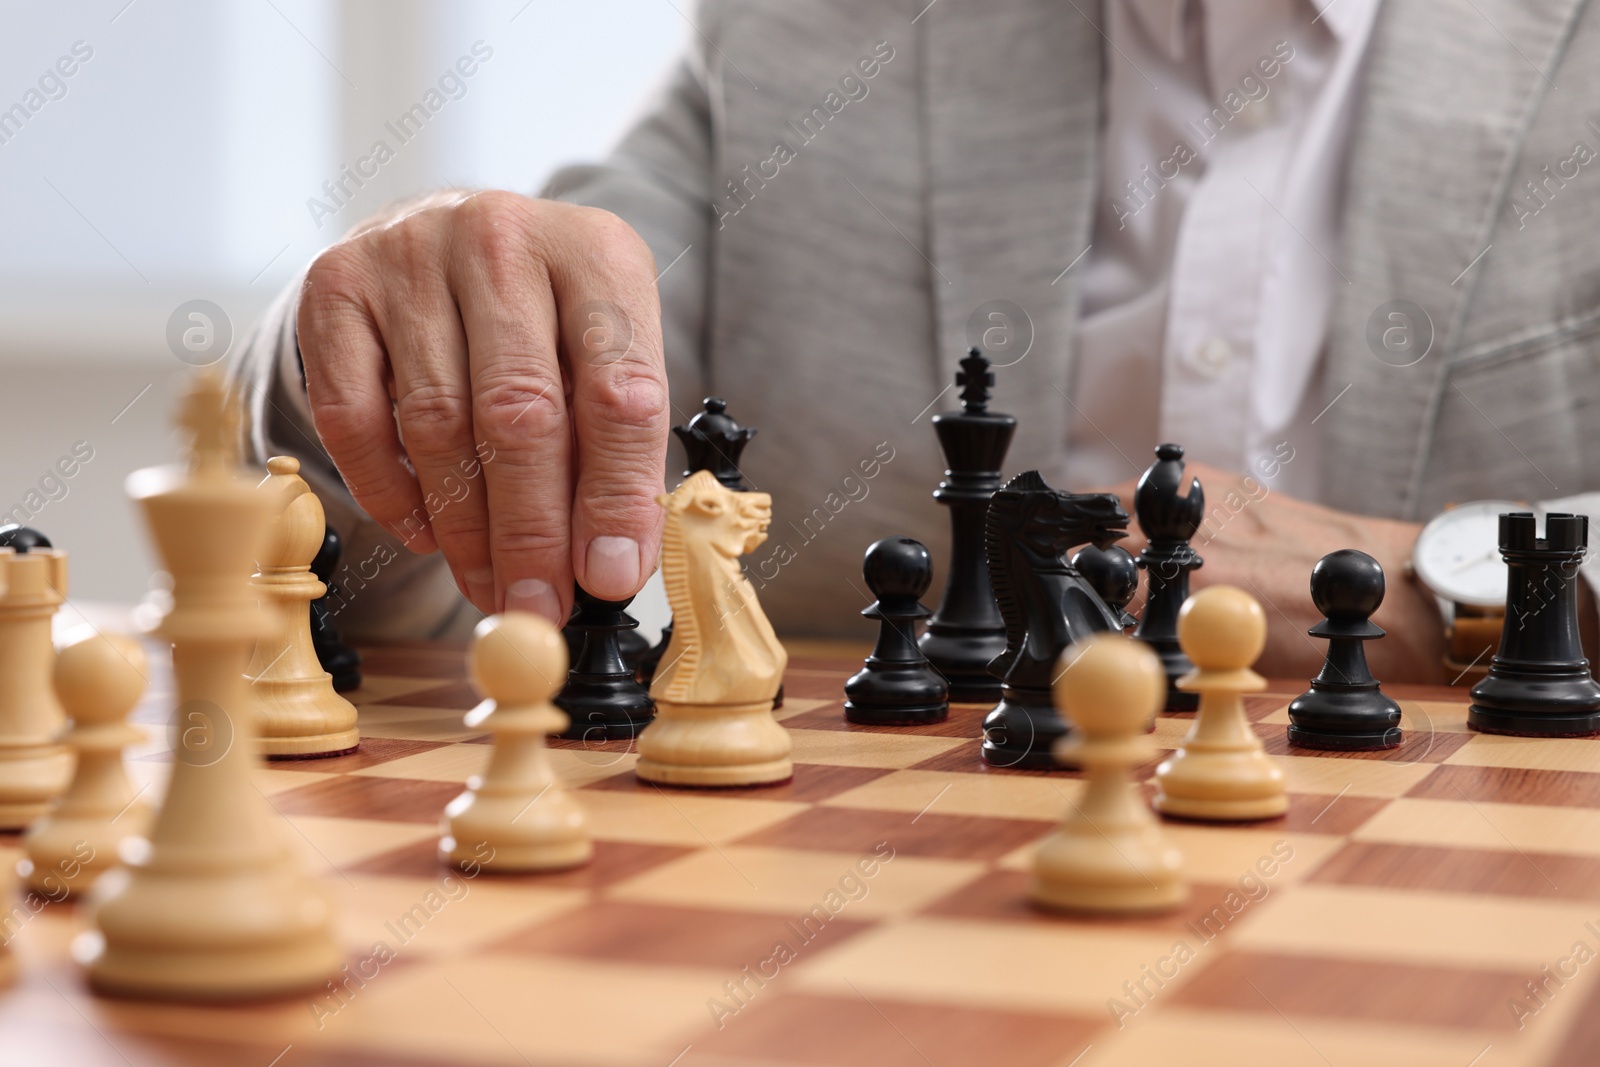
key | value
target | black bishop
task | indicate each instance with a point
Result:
(1169, 517)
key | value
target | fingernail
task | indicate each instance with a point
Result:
(611, 568)
(535, 595)
(480, 587)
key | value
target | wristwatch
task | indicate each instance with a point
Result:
(1457, 559)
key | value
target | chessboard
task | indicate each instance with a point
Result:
(1436, 904)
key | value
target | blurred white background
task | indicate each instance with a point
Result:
(176, 163)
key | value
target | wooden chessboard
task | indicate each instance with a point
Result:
(1394, 916)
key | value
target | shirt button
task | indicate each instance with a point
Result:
(1211, 358)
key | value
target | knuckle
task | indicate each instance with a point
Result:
(527, 540)
(499, 232)
(411, 244)
(511, 410)
(615, 506)
(337, 279)
(435, 421)
(629, 398)
(461, 531)
(339, 423)
(613, 240)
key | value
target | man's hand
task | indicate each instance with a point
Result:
(486, 371)
(1266, 544)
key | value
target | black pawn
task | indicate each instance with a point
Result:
(1539, 684)
(602, 696)
(631, 645)
(1344, 709)
(966, 632)
(650, 659)
(897, 686)
(21, 538)
(712, 441)
(336, 657)
(1168, 520)
(1113, 573)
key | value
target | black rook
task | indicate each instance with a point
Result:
(1539, 683)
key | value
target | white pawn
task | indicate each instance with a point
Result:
(99, 679)
(1109, 856)
(1221, 770)
(35, 766)
(517, 816)
(301, 715)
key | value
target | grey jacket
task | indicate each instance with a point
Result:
(839, 193)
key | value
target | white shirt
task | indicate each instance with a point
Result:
(1212, 270)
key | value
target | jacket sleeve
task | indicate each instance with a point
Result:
(658, 180)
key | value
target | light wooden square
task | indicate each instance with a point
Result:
(1365, 923)
(520, 1010)
(414, 724)
(1218, 1038)
(664, 817)
(453, 912)
(951, 793)
(1014, 967)
(1352, 777)
(1529, 753)
(326, 843)
(840, 748)
(790, 884)
(793, 706)
(1482, 824)
(457, 763)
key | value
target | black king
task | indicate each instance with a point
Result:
(966, 633)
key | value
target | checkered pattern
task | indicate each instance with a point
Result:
(1393, 916)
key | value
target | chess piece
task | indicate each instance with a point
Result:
(214, 906)
(98, 678)
(1168, 521)
(517, 813)
(1221, 770)
(1344, 708)
(35, 766)
(714, 690)
(1113, 574)
(633, 647)
(22, 538)
(1109, 856)
(336, 657)
(712, 441)
(300, 714)
(1046, 605)
(897, 686)
(602, 695)
(1539, 684)
(966, 631)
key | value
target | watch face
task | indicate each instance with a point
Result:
(1458, 554)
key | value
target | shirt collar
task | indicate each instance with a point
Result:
(1162, 20)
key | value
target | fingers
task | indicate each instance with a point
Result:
(611, 336)
(346, 368)
(518, 405)
(433, 405)
(486, 372)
